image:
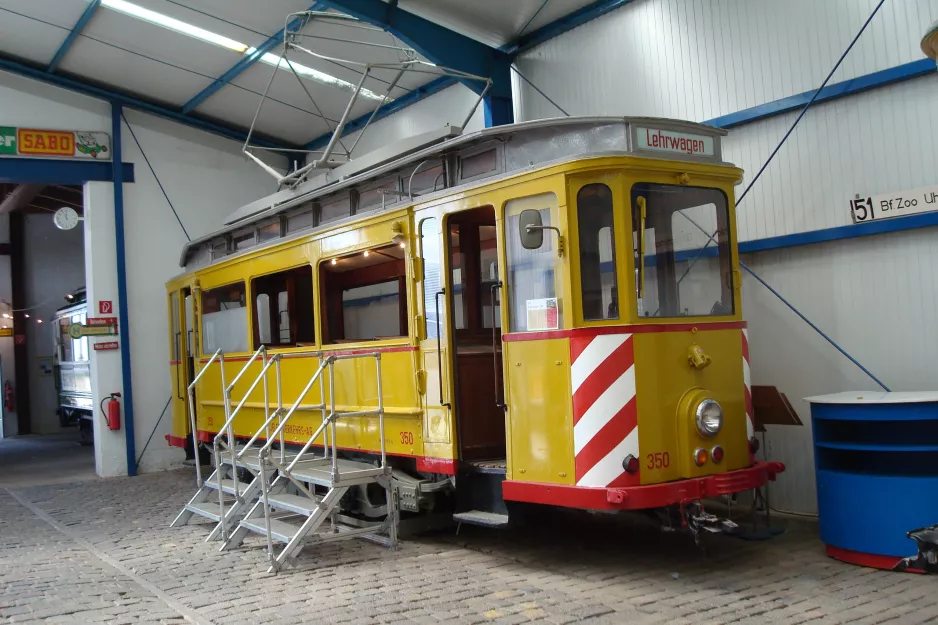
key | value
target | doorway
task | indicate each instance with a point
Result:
(474, 302)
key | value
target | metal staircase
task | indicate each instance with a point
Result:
(291, 495)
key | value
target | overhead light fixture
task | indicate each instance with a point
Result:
(367, 253)
(333, 261)
(26, 315)
(128, 8)
(171, 23)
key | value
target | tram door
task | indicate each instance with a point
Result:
(473, 297)
(181, 363)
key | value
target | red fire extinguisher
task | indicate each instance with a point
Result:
(9, 403)
(113, 413)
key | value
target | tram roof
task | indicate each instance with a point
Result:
(533, 143)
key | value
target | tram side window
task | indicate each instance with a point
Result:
(532, 292)
(283, 304)
(364, 296)
(432, 274)
(224, 319)
(598, 284)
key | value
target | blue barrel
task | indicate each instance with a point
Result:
(876, 463)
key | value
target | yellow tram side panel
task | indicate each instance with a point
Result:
(355, 379)
(539, 411)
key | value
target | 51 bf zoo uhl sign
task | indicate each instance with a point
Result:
(890, 205)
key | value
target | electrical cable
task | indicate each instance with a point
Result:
(155, 177)
(536, 88)
(811, 101)
(140, 457)
(531, 19)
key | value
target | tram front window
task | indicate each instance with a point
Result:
(683, 265)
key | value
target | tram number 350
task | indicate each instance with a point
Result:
(660, 460)
(407, 438)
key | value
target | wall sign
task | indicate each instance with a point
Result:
(54, 143)
(656, 140)
(106, 346)
(6, 332)
(94, 326)
(900, 204)
(106, 307)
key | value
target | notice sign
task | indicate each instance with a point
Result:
(890, 205)
(54, 143)
(542, 314)
(656, 140)
(106, 307)
(106, 345)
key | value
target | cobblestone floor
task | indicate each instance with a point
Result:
(102, 551)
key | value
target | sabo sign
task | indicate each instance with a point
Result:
(34, 142)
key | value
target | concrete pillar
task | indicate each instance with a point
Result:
(110, 448)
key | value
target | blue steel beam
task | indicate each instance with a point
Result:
(238, 68)
(445, 47)
(133, 102)
(562, 25)
(90, 10)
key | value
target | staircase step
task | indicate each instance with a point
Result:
(301, 504)
(319, 471)
(480, 517)
(208, 509)
(280, 531)
(228, 486)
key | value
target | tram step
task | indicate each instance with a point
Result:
(280, 531)
(480, 517)
(228, 486)
(208, 509)
(301, 504)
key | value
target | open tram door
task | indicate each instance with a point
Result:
(183, 345)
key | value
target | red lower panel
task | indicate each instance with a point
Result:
(426, 464)
(870, 560)
(176, 441)
(643, 497)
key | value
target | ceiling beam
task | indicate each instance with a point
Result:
(136, 103)
(238, 68)
(444, 47)
(562, 25)
(19, 197)
(90, 10)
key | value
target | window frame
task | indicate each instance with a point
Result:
(475, 151)
(254, 323)
(201, 315)
(617, 235)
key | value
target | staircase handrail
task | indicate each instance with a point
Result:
(220, 356)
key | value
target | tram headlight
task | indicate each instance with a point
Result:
(709, 417)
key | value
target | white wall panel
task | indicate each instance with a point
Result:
(700, 59)
(449, 106)
(206, 177)
(875, 296)
(874, 142)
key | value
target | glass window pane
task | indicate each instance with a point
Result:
(174, 329)
(478, 164)
(458, 259)
(488, 271)
(430, 252)
(271, 231)
(300, 221)
(335, 209)
(243, 240)
(427, 180)
(533, 302)
(372, 198)
(371, 312)
(598, 284)
(224, 319)
(687, 261)
(262, 315)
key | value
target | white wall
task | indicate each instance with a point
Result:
(205, 176)
(54, 264)
(449, 106)
(701, 59)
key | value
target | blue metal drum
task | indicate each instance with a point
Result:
(876, 461)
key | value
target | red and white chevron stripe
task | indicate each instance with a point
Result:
(750, 429)
(605, 417)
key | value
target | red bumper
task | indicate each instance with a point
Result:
(176, 441)
(643, 497)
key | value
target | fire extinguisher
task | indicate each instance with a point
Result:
(9, 403)
(112, 415)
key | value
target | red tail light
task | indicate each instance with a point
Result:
(716, 454)
(630, 464)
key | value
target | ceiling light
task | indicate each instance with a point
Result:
(38, 320)
(179, 26)
(26, 315)
(334, 261)
(403, 245)
(367, 253)
(315, 74)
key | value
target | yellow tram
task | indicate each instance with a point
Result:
(556, 305)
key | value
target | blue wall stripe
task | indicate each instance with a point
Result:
(881, 78)
(90, 10)
(127, 400)
(54, 171)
